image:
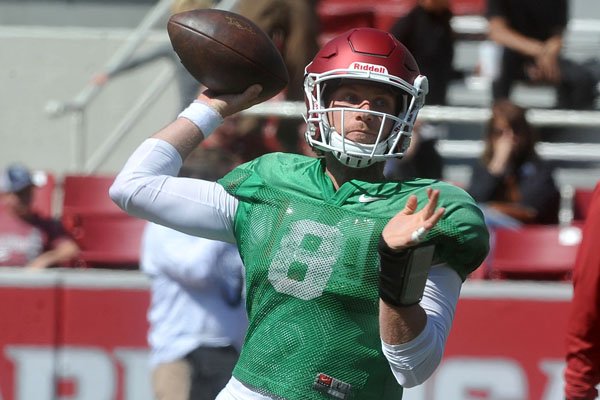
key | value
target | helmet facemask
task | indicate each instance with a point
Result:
(321, 135)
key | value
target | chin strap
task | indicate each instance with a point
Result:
(354, 161)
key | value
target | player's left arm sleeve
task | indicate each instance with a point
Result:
(413, 362)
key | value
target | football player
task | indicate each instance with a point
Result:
(352, 280)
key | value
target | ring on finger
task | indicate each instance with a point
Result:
(419, 234)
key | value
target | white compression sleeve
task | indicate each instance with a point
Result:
(147, 188)
(413, 362)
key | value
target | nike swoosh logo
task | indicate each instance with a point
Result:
(368, 199)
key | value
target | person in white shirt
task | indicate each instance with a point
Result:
(197, 316)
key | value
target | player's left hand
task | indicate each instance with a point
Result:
(409, 227)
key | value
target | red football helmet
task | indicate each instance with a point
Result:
(371, 55)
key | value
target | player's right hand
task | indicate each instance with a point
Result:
(229, 104)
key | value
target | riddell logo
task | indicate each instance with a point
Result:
(368, 67)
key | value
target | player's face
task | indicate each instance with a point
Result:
(360, 125)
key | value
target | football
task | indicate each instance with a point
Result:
(226, 52)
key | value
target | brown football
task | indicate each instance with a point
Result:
(227, 52)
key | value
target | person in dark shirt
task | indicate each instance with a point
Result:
(293, 27)
(511, 178)
(426, 31)
(428, 35)
(531, 33)
(422, 159)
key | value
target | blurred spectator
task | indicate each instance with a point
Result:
(27, 238)
(197, 316)
(422, 160)
(293, 27)
(582, 373)
(532, 35)
(511, 181)
(187, 85)
(427, 33)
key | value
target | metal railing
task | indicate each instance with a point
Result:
(78, 106)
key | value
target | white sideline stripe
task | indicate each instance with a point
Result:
(108, 279)
(517, 290)
(17, 276)
(84, 278)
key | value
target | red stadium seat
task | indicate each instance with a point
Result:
(107, 236)
(109, 240)
(387, 12)
(338, 16)
(582, 198)
(536, 252)
(468, 7)
(86, 194)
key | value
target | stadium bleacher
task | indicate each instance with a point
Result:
(534, 252)
(107, 236)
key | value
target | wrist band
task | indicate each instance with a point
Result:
(403, 274)
(206, 118)
(392, 267)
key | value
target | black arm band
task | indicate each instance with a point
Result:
(403, 274)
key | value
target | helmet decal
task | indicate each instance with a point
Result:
(368, 67)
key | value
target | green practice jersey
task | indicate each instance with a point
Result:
(311, 261)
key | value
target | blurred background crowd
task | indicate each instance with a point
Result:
(512, 115)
